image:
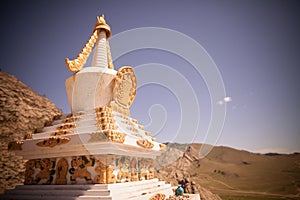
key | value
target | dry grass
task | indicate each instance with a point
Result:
(235, 174)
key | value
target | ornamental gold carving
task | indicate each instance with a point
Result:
(110, 177)
(134, 175)
(101, 171)
(124, 90)
(79, 165)
(61, 132)
(143, 174)
(61, 172)
(70, 170)
(46, 166)
(158, 196)
(66, 126)
(104, 108)
(163, 147)
(145, 143)
(71, 119)
(135, 121)
(29, 171)
(28, 136)
(76, 115)
(76, 64)
(16, 145)
(115, 136)
(147, 133)
(150, 174)
(124, 173)
(53, 141)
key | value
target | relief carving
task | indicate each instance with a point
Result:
(61, 172)
(110, 177)
(115, 136)
(29, 171)
(79, 165)
(46, 166)
(158, 196)
(101, 171)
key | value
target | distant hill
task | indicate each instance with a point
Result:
(236, 174)
(22, 111)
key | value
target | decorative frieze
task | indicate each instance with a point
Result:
(87, 169)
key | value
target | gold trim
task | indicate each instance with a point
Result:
(162, 147)
(66, 126)
(135, 121)
(71, 119)
(102, 25)
(147, 133)
(104, 108)
(28, 136)
(115, 136)
(76, 64)
(53, 141)
(16, 145)
(158, 196)
(141, 127)
(61, 172)
(145, 143)
(124, 90)
(61, 132)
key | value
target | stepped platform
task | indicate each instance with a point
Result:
(139, 190)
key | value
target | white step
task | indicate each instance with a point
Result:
(120, 191)
(44, 197)
(60, 192)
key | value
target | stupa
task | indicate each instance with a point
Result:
(98, 151)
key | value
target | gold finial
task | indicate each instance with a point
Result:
(103, 25)
(101, 19)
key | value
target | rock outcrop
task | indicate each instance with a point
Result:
(180, 170)
(23, 111)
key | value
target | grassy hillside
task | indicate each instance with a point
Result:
(236, 174)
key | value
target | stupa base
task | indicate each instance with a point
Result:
(140, 190)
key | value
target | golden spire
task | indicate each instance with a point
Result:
(102, 25)
(76, 64)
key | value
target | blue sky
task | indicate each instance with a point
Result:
(255, 45)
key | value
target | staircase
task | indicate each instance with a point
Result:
(140, 190)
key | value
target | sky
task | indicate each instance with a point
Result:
(255, 46)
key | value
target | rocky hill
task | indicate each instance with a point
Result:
(236, 174)
(22, 111)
